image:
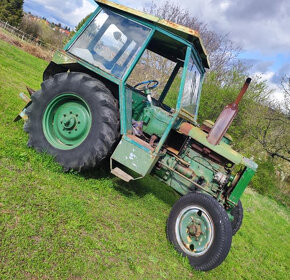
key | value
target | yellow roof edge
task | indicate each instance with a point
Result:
(166, 23)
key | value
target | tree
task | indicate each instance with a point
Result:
(285, 83)
(221, 50)
(11, 11)
(272, 127)
(30, 26)
(80, 24)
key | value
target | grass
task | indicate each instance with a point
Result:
(33, 49)
(93, 226)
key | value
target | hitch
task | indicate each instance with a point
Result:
(27, 100)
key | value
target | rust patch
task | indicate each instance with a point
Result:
(152, 140)
(141, 142)
(188, 239)
(185, 128)
(30, 90)
(179, 27)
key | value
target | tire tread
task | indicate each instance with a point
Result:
(108, 119)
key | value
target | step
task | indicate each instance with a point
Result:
(122, 174)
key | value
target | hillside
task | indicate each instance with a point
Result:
(93, 226)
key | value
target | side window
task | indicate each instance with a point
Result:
(191, 88)
(172, 95)
(152, 66)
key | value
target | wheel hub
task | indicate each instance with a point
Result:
(68, 124)
(67, 121)
(195, 230)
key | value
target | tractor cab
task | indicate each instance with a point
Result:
(159, 68)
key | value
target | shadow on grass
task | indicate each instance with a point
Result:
(139, 188)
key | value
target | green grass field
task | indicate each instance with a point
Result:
(93, 226)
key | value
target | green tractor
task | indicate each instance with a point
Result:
(90, 107)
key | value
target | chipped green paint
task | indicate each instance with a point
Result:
(155, 120)
(61, 57)
(222, 149)
(134, 156)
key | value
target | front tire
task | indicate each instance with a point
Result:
(74, 117)
(199, 228)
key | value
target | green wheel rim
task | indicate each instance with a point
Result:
(66, 121)
(194, 230)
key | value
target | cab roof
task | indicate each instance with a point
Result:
(184, 32)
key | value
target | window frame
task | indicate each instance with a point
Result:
(85, 27)
(191, 53)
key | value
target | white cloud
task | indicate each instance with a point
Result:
(277, 93)
(255, 25)
(67, 11)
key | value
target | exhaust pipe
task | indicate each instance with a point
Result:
(226, 117)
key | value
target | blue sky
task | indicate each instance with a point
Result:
(259, 27)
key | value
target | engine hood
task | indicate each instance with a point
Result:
(222, 148)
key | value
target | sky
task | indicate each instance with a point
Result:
(259, 27)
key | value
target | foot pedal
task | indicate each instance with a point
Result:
(122, 174)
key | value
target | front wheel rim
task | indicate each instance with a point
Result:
(66, 121)
(194, 230)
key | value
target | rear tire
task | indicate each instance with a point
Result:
(74, 117)
(199, 228)
(238, 214)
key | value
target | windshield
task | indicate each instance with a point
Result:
(110, 42)
(191, 88)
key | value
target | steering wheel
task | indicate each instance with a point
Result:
(147, 85)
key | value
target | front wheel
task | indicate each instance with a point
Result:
(199, 228)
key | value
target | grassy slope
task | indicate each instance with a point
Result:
(93, 226)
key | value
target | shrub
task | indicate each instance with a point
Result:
(265, 181)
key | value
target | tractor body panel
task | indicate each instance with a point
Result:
(243, 182)
(222, 149)
(135, 155)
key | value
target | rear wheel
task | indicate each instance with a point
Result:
(74, 117)
(199, 228)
